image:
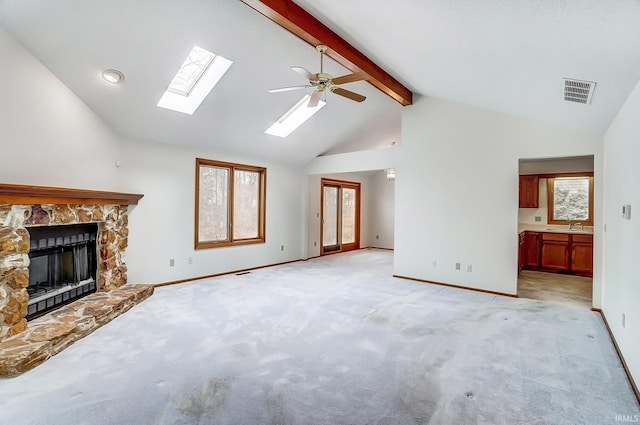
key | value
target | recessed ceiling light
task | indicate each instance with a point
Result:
(113, 76)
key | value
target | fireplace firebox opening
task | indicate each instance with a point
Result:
(62, 266)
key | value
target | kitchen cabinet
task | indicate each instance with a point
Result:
(531, 249)
(582, 253)
(528, 192)
(555, 251)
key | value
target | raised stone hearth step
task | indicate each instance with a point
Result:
(53, 332)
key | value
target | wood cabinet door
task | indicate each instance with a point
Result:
(528, 192)
(531, 249)
(582, 257)
(555, 255)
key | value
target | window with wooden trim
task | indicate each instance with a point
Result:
(230, 204)
(570, 199)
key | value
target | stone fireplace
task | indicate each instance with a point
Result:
(46, 211)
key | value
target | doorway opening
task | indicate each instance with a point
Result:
(555, 226)
(340, 211)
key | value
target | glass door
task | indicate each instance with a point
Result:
(340, 216)
(330, 230)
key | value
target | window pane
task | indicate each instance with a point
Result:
(246, 204)
(330, 217)
(213, 203)
(571, 198)
(348, 215)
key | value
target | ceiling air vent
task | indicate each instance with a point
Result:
(578, 91)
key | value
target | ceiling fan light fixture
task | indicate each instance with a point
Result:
(113, 76)
(294, 117)
(323, 82)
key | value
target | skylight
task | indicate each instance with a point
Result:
(294, 117)
(195, 79)
(191, 70)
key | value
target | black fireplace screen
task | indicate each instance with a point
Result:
(63, 266)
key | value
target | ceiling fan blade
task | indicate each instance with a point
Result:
(288, 89)
(349, 78)
(302, 71)
(315, 98)
(348, 94)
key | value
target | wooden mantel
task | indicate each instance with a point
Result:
(25, 195)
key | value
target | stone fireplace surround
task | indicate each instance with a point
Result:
(24, 345)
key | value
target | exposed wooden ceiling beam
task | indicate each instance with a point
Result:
(301, 23)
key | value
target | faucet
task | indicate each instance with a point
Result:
(575, 226)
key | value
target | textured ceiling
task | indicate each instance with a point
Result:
(502, 55)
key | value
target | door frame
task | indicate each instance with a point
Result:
(341, 184)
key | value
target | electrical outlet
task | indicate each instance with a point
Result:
(457, 266)
(315, 243)
(623, 320)
(538, 218)
(377, 236)
(189, 260)
(172, 262)
(281, 247)
(469, 268)
(434, 263)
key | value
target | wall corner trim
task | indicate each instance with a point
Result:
(636, 391)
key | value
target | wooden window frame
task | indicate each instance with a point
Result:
(550, 192)
(232, 167)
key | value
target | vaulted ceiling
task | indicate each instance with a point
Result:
(498, 54)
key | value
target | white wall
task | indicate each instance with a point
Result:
(162, 225)
(457, 191)
(557, 165)
(622, 237)
(375, 159)
(49, 137)
(381, 207)
(314, 240)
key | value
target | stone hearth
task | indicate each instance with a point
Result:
(22, 207)
(49, 334)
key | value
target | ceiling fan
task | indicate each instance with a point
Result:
(322, 82)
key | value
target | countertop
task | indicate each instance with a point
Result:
(553, 228)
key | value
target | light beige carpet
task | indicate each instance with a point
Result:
(334, 340)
